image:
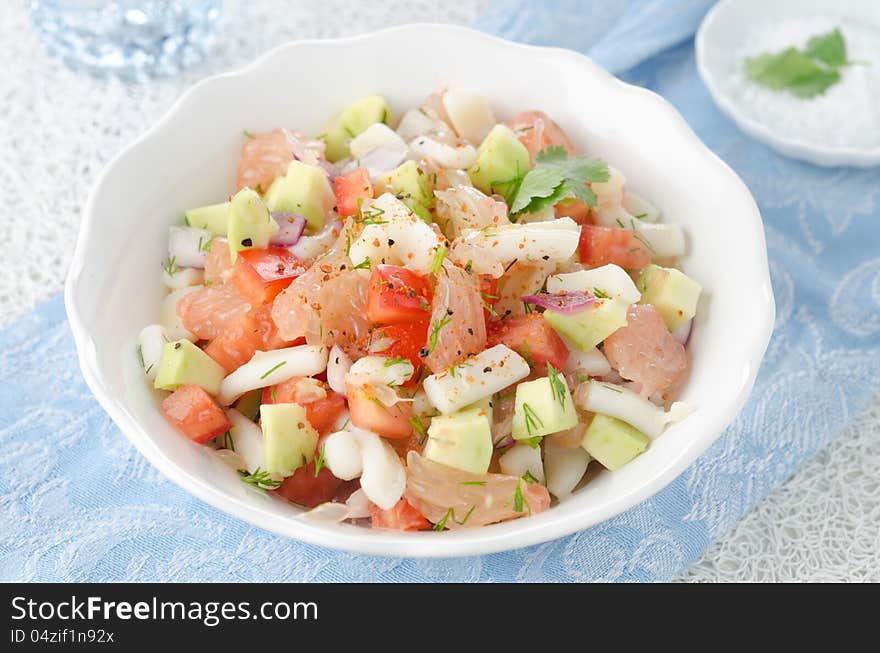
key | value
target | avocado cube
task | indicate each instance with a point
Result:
(335, 141)
(542, 407)
(591, 325)
(214, 218)
(250, 224)
(501, 158)
(304, 190)
(289, 441)
(362, 113)
(353, 120)
(462, 440)
(612, 442)
(411, 185)
(671, 292)
(182, 363)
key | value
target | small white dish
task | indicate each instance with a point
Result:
(189, 159)
(722, 34)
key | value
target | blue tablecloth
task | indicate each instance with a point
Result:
(78, 503)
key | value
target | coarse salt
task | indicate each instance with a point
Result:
(846, 115)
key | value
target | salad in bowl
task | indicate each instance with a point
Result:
(434, 319)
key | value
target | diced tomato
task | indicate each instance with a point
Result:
(601, 245)
(350, 188)
(397, 295)
(251, 332)
(323, 406)
(194, 413)
(367, 412)
(531, 337)
(401, 517)
(308, 489)
(260, 274)
(407, 340)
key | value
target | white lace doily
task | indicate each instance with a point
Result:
(58, 128)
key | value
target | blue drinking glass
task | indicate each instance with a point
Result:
(130, 39)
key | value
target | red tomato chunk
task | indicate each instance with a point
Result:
(194, 413)
(367, 412)
(350, 188)
(308, 489)
(602, 245)
(321, 411)
(260, 275)
(406, 340)
(531, 337)
(396, 295)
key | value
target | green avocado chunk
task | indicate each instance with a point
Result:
(182, 363)
(500, 159)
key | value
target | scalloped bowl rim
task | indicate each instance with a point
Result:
(495, 538)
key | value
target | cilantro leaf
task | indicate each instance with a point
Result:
(828, 48)
(539, 183)
(815, 84)
(779, 71)
(805, 74)
(556, 177)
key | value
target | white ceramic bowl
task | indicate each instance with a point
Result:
(189, 159)
(723, 32)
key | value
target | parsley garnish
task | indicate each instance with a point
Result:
(228, 442)
(397, 360)
(526, 353)
(639, 238)
(519, 500)
(272, 394)
(363, 265)
(557, 386)
(556, 177)
(473, 483)
(805, 73)
(169, 266)
(418, 427)
(140, 352)
(435, 332)
(207, 246)
(246, 133)
(272, 370)
(371, 217)
(532, 442)
(258, 478)
(319, 461)
(612, 388)
(529, 478)
(439, 255)
(601, 294)
(441, 525)
(531, 418)
(488, 306)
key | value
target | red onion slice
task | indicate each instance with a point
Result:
(567, 303)
(332, 169)
(290, 228)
